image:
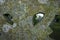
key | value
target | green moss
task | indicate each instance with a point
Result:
(55, 26)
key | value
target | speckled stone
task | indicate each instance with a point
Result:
(23, 12)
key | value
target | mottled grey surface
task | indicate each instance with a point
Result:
(23, 12)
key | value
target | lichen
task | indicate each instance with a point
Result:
(23, 12)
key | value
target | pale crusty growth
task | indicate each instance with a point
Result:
(2, 1)
(43, 1)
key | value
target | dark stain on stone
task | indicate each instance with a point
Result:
(56, 18)
(55, 26)
(0, 34)
(8, 17)
(38, 20)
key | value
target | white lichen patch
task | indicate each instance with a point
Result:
(39, 15)
(7, 27)
(2, 1)
(14, 25)
(43, 1)
(19, 2)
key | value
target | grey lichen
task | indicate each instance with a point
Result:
(6, 27)
(43, 1)
(23, 12)
(2, 1)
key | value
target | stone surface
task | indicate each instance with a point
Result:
(43, 1)
(2, 1)
(23, 12)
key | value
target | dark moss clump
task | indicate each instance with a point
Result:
(34, 20)
(55, 26)
(0, 33)
(8, 17)
(57, 18)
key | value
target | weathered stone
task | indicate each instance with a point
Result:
(2, 1)
(43, 1)
(23, 12)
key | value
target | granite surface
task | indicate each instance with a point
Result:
(22, 12)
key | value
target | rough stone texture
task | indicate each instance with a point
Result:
(2, 1)
(43, 1)
(23, 12)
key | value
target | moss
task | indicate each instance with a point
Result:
(55, 26)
